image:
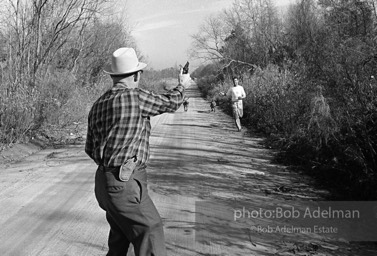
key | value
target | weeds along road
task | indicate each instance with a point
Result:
(47, 203)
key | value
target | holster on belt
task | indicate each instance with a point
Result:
(127, 169)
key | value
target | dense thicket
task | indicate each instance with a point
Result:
(159, 81)
(310, 76)
(52, 55)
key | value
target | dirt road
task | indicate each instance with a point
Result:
(47, 204)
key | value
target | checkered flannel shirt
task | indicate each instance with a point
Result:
(119, 123)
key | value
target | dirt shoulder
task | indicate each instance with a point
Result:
(201, 171)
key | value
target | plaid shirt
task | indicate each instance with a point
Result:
(119, 123)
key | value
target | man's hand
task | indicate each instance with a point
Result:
(185, 80)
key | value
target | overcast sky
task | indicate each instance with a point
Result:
(163, 28)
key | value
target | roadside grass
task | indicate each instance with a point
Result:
(55, 111)
(314, 131)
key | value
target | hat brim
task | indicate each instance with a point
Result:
(139, 67)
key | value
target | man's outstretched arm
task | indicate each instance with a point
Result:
(154, 104)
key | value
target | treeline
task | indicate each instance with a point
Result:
(159, 81)
(310, 76)
(52, 55)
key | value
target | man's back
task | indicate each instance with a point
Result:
(120, 125)
(118, 141)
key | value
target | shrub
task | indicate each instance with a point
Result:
(16, 117)
(63, 101)
(274, 101)
(331, 134)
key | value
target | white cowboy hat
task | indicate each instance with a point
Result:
(124, 61)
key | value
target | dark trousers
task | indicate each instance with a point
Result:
(132, 216)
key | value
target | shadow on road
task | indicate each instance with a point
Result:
(199, 154)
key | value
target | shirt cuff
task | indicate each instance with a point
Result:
(180, 88)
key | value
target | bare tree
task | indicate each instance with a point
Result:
(37, 29)
(50, 51)
(242, 36)
(208, 43)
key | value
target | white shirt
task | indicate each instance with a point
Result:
(236, 91)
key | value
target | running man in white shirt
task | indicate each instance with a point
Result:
(237, 93)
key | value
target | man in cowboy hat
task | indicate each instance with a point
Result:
(118, 141)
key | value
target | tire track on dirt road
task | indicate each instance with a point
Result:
(198, 156)
(47, 213)
(48, 208)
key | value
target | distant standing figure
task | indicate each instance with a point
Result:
(213, 106)
(237, 93)
(185, 104)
